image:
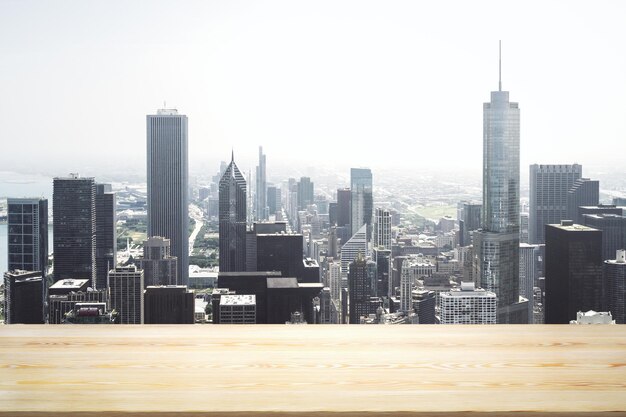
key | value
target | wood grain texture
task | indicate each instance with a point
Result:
(212, 370)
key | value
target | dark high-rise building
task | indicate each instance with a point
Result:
(573, 267)
(261, 209)
(584, 192)
(280, 252)
(362, 202)
(28, 234)
(126, 284)
(549, 187)
(232, 218)
(106, 234)
(469, 220)
(497, 245)
(615, 281)
(159, 267)
(344, 197)
(171, 304)
(305, 193)
(273, 199)
(613, 229)
(424, 302)
(359, 289)
(382, 257)
(23, 297)
(74, 214)
(598, 209)
(168, 183)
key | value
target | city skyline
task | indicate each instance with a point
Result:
(351, 73)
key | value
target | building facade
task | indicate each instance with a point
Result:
(126, 285)
(573, 269)
(159, 267)
(232, 219)
(615, 280)
(74, 226)
(27, 234)
(468, 305)
(497, 245)
(106, 233)
(549, 187)
(361, 201)
(168, 183)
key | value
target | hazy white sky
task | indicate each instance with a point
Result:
(361, 83)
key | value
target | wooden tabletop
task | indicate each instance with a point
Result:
(311, 369)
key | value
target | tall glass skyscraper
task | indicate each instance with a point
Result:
(232, 217)
(261, 211)
(497, 245)
(362, 204)
(168, 184)
(28, 234)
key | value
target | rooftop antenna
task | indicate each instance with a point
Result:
(500, 66)
(232, 156)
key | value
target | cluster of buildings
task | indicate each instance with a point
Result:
(289, 255)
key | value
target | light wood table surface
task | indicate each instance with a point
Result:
(197, 370)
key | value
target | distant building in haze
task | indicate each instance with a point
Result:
(168, 183)
(261, 208)
(305, 193)
(361, 202)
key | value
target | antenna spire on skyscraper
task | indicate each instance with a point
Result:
(500, 66)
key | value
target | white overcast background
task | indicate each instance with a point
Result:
(361, 83)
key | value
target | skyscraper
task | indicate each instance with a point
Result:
(362, 203)
(28, 234)
(159, 267)
(406, 286)
(106, 234)
(528, 267)
(613, 229)
(357, 244)
(232, 217)
(549, 187)
(344, 197)
(260, 202)
(584, 192)
(305, 193)
(497, 245)
(573, 268)
(382, 231)
(74, 213)
(359, 289)
(469, 220)
(615, 279)
(168, 183)
(23, 297)
(126, 285)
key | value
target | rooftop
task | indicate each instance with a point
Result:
(69, 283)
(237, 300)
